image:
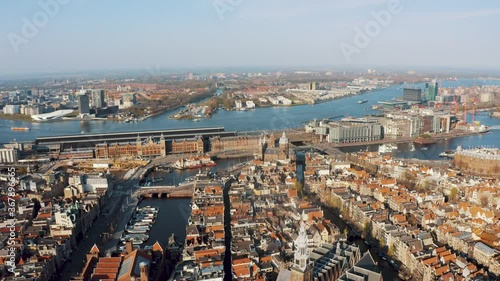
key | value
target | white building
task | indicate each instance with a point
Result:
(95, 184)
(11, 109)
(52, 115)
(9, 155)
(250, 104)
(62, 219)
(487, 97)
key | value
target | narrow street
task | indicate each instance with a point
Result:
(96, 234)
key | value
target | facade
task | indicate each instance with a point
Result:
(239, 143)
(412, 94)
(11, 109)
(313, 86)
(401, 126)
(483, 254)
(487, 97)
(9, 155)
(83, 103)
(348, 132)
(129, 100)
(32, 110)
(302, 269)
(431, 91)
(195, 145)
(98, 100)
(52, 115)
(481, 161)
(147, 148)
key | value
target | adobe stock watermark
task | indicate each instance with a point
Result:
(225, 6)
(364, 36)
(11, 209)
(48, 9)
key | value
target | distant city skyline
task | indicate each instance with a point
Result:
(53, 36)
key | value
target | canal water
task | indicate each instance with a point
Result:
(172, 218)
(388, 272)
(174, 213)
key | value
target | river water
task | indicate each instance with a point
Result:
(270, 118)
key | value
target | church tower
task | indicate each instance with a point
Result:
(138, 143)
(302, 269)
(163, 146)
(262, 146)
(284, 147)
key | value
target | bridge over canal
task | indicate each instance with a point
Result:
(183, 191)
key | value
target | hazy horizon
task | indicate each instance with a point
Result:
(84, 35)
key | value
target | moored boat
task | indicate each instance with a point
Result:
(24, 129)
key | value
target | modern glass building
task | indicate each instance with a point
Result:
(431, 91)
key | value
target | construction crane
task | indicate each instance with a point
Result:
(473, 110)
(465, 112)
(456, 104)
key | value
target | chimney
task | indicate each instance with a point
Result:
(144, 271)
(129, 247)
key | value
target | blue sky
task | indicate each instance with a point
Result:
(91, 34)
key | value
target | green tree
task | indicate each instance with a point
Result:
(381, 243)
(300, 189)
(367, 229)
(484, 201)
(426, 185)
(453, 194)
(335, 202)
(390, 251)
(22, 171)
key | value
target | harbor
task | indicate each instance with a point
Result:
(138, 227)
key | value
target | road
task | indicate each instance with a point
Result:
(96, 234)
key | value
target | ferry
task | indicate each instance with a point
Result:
(194, 163)
(20, 129)
(362, 101)
(447, 153)
(387, 148)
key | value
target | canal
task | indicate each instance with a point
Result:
(174, 213)
(388, 272)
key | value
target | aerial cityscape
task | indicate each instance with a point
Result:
(249, 140)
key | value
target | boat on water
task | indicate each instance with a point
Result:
(447, 153)
(23, 129)
(157, 179)
(139, 225)
(424, 140)
(194, 163)
(137, 229)
(387, 148)
(362, 101)
(165, 169)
